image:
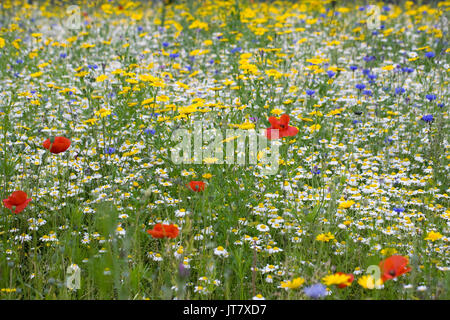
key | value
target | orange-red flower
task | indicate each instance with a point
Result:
(58, 144)
(17, 201)
(196, 186)
(349, 281)
(282, 125)
(164, 231)
(393, 267)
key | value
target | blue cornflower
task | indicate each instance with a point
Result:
(139, 29)
(367, 92)
(237, 49)
(330, 74)
(150, 131)
(366, 72)
(386, 8)
(360, 86)
(431, 97)
(310, 92)
(174, 55)
(440, 105)
(407, 70)
(19, 61)
(388, 140)
(353, 68)
(399, 90)
(372, 76)
(165, 44)
(63, 55)
(110, 150)
(430, 54)
(315, 170)
(316, 291)
(427, 118)
(398, 210)
(356, 121)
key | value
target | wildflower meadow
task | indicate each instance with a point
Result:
(224, 150)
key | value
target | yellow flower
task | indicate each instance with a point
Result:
(103, 112)
(388, 68)
(277, 111)
(336, 279)
(325, 237)
(207, 176)
(246, 125)
(388, 252)
(2, 42)
(315, 61)
(314, 127)
(292, 284)
(433, 236)
(101, 78)
(90, 121)
(36, 74)
(368, 282)
(346, 204)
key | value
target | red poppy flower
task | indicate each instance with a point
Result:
(17, 199)
(282, 125)
(163, 231)
(349, 282)
(196, 186)
(393, 267)
(60, 144)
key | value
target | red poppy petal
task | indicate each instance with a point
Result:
(289, 132)
(284, 120)
(7, 203)
(22, 206)
(275, 123)
(18, 197)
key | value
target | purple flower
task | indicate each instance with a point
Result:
(315, 170)
(183, 272)
(316, 291)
